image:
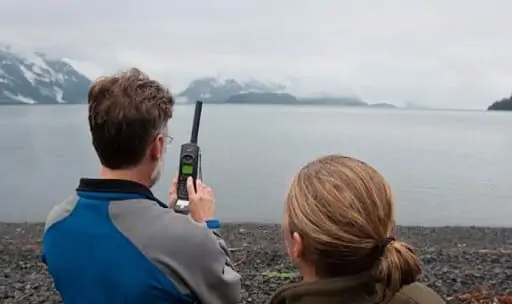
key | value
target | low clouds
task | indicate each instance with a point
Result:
(449, 54)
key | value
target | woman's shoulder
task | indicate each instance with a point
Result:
(417, 293)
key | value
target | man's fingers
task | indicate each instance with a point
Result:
(174, 184)
(204, 191)
(202, 188)
(173, 192)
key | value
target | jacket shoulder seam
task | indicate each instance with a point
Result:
(408, 298)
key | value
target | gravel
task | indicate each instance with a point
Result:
(464, 264)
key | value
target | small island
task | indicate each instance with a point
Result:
(383, 105)
(288, 99)
(262, 98)
(504, 104)
(333, 101)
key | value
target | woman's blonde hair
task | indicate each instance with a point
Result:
(343, 209)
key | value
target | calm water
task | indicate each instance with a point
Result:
(445, 167)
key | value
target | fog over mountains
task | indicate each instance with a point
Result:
(35, 78)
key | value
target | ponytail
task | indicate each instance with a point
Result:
(398, 267)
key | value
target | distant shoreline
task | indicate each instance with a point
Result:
(273, 104)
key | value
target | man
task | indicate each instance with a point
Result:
(114, 241)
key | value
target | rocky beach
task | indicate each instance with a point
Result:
(464, 264)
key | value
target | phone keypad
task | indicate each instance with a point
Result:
(182, 187)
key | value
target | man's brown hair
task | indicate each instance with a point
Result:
(126, 112)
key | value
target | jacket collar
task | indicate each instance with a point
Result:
(117, 186)
(351, 289)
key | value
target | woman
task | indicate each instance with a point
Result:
(338, 229)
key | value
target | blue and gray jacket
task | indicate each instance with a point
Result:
(114, 242)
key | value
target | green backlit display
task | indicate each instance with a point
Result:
(187, 169)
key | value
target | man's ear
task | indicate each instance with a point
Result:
(157, 148)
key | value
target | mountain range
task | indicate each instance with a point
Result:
(34, 78)
(231, 91)
(214, 90)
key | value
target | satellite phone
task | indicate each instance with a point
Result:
(190, 163)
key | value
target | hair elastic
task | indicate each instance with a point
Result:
(387, 241)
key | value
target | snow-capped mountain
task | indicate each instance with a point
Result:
(31, 77)
(210, 89)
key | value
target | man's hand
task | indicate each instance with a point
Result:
(202, 202)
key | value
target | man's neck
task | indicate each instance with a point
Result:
(131, 175)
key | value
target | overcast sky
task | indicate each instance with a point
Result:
(441, 53)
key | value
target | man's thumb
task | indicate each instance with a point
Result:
(190, 187)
